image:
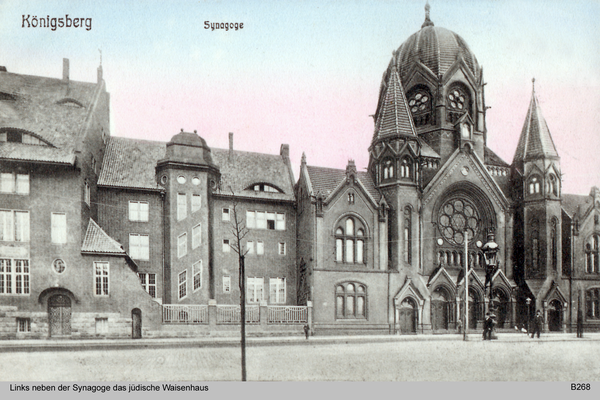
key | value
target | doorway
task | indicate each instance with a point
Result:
(408, 316)
(136, 323)
(59, 315)
(555, 316)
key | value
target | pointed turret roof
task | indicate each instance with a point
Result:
(393, 118)
(535, 141)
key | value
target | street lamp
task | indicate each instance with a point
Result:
(490, 254)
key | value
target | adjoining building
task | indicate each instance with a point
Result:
(111, 236)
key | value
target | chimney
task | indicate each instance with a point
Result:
(230, 145)
(65, 70)
(100, 74)
(284, 151)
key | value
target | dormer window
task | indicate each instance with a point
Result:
(534, 185)
(17, 136)
(264, 187)
(388, 168)
(70, 103)
(7, 96)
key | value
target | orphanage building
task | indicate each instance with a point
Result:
(103, 235)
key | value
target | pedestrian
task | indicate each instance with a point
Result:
(459, 326)
(488, 325)
(306, 331)
(537, 324)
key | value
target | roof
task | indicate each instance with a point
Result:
(491, 158)
(427, 151)
(97, 241)
(325, 180)
(130, 163)
(535, 141)
(53, 109)
(28, 152)
(576, 203)
(393, 116)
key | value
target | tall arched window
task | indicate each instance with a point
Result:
(534, 185)
(350, 300)
(350, 246)
(407, 234)
(552, 185)
(535, 245)
(592, 303)
(388, 168)
(591, 254)
(553, 244)
(405, 168)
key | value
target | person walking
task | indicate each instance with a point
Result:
(306, 331)
(488, 326)
(537, 324)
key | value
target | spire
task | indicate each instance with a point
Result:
(535, 141)
(427, 22)
(393, 116)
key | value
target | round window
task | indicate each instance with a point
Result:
(196, 180)
(59, 266)
(181, 179)
(163, 179)
(456, 217)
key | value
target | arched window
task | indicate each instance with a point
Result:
(534, 185)
(552, 185)
(535, 245)
(591, 254)
(350, 300)
(420, 104)
(407, 234)
(405, 168)
(388, 168)
(592, 303)
(458, 102)
(553, 244)
(350, 246)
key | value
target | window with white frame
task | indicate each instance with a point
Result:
(196, 236)
(226, 284)
(23, 325)
(592, 253)
(260, 247)
(265, 220)
(138, 211)
(148, 282)
(181, 206)
(281, 248)
(249, 247)
(350, 246)
(182, 284)
(87, 193)
(182, 245)
(197, 275)
(139, 246)
(101, 326)
(350, 299)
(14, 183)
(59, 228)
(14, 276)
(14, 226)
(254, 290)
(196, 202)
(226, 246)
(225, 215)
(277, 290)
(101, 278)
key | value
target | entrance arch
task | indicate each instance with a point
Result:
(59, 315)
(555, 316)
(501, 303)
(441, 309)
(407, 316)
(136, 323)
(475, 308)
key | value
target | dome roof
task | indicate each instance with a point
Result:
(188, 139)
(188, 148)
(437, 48)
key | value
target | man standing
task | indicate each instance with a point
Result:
(488, 326)
(537, 324)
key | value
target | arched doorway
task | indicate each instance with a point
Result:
(475, 308)
(59, 315)
(441, 309)
(407, 316)
(136, 323)
(501, 306)
(555, 316)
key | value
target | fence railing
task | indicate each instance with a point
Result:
(231, 314)
(185, 314)
(288, 315)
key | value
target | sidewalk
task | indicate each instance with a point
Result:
(116, 344)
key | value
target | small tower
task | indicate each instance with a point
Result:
(537, 163)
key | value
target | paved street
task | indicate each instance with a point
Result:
(511, 358)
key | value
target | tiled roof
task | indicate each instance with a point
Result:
(325, 180)
(393, 115)
(535, 140)
(244, 169)
(37, 107)
(491, 158)
(130, 163)
(427, 151)
(97, 241)
(575, 203)
(28, 152)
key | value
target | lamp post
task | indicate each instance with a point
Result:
(490, 253)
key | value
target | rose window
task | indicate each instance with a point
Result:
(419, 102)
(457, 99)
(457, 216)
